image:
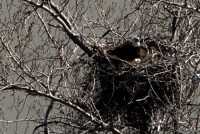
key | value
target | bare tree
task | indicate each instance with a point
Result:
(84, 66)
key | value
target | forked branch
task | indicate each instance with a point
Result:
(63, 20)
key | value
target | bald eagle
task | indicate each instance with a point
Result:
(129, 50)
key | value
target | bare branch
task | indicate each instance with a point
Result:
(182, 5)
(63, 20)
(26, 89)
(46, 117)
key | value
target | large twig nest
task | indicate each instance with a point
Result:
(130, 93)
(134, 89)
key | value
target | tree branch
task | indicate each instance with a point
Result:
(59, 122)
(54, 11)
(46, 117)
(183, 5)
(30, 91)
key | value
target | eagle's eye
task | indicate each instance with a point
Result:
(137, 60)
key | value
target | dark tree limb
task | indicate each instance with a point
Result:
(59, 122)
(46, 117)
